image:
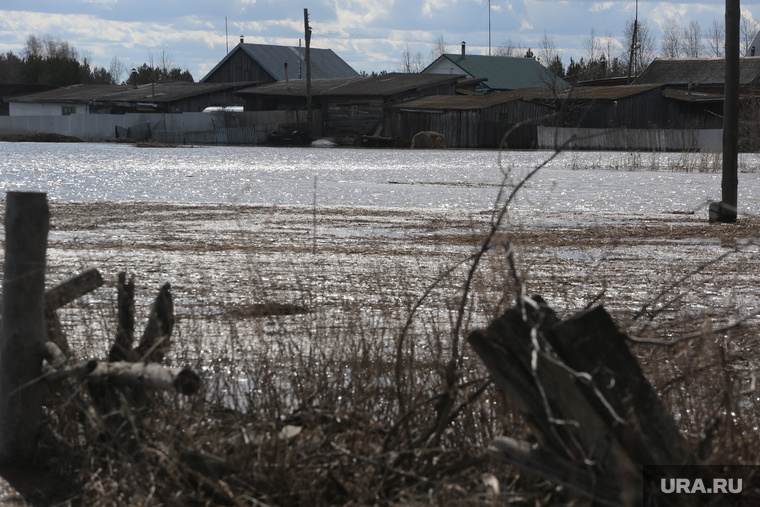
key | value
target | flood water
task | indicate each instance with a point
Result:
(597, 182)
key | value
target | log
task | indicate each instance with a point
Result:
(150, 376)
(57, 369)
(156, 338)
(63, 294)
(22, 330)
(72, 289)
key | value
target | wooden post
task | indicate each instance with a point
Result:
(22, 331)
(307, 29)
(725, 211)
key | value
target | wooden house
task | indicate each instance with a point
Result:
(350, 106)
(265, 63)
(500, 73)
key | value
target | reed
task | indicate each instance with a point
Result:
(328, 407)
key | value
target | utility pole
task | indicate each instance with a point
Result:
(307, 30)
(489, 27)
(725, 211)
(633, 42)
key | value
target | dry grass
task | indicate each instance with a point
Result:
(303, 407)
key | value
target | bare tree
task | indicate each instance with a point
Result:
(748, 29)
(592, 46)
(33, 47)
(716, 38)
(547, 50)
(410, 62)
(117, 69)
(49, 47)
(670, 45)
(439, 48)
(692, 40)
(644, 50)
(508, 48)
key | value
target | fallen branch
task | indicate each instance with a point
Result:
(151, 376)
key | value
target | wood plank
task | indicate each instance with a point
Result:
(591, 342)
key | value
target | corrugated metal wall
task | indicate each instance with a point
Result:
(630, 139)
(187, 128)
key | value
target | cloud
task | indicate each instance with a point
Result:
(496, 8)
(524, 26)
(106, 3)
(601, 6)
(432, 6)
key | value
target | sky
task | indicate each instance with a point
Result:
(370, 35)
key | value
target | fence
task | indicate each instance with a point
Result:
(631, 139)
(185, 128)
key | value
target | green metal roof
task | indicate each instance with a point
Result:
(506, 72)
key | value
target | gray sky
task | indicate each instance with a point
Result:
(368, 34)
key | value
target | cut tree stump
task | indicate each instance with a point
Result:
(595, 416)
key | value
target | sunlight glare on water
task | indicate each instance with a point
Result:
(601, 182)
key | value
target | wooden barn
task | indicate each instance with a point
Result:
(643, 106)
(350, 106)
(265, 63)
(482, 121)
(171, 97)
(478, 121)
(700, 74)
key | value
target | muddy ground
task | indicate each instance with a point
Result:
(224, 260)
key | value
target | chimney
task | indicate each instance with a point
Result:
(752, 51)
(242, 39)
(287, 79)
(463, 44)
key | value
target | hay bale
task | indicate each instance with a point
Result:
(428, 140)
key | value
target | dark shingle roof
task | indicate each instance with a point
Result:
(161, 92)
(528, 94)
(324, 62)
(504, 72)
(382, 85)
(698, 71)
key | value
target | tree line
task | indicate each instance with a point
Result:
(607, 56)
(47, 60)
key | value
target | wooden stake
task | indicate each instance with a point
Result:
(725, 211)
(22, 332)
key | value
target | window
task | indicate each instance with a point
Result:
(353, 111)
(67, 110)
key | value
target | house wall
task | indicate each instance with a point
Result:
(240, 67)
(444, 66)
(43, 109)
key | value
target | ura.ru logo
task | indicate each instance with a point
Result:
(724, 486)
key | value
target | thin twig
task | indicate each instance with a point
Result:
(700, 334)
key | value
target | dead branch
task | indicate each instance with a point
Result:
(125, 335)
(150, 376)
(156, 339)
